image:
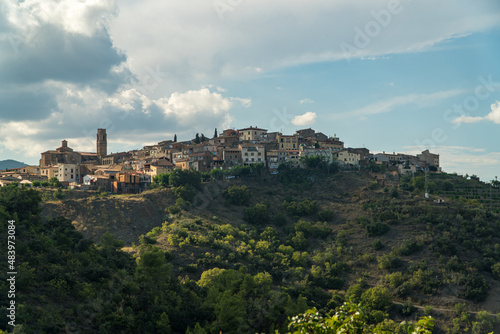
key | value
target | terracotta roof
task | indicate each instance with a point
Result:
(252, 128)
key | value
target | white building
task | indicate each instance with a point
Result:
(348, 157)
(252, 133)
(252, 154)
(307, 152)
(68, 173)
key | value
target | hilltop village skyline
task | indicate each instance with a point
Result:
(132, 171)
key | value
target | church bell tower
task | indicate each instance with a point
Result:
(102, 144)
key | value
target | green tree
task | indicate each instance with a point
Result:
(175, 138)
(256, 215)
(180, 177)
(186, 193)
(109, 241)
(162, 179)
(215, 133)
(54, 182)
(58, 194)
(237, 195)
(495, 269)
(485, 323)
(351, 318)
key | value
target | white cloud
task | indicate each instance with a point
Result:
(493, 116)
(247, 103)
(191, 42)
(81, 17)
(306, 119)
(398, 101)
(191, 106)
(306, 101)
(467, 119)
(129, 116)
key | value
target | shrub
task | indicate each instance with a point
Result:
(427, 281)
(58, 194)
(325, 215)
(280, 219)
(378, 245)
(475, 288)
(161, 180)
(394, 280)
(181, 203)
(448, 186)
(377, 298)
(409, 247)
(54, 182)
(256, 215)
(376, 229)
(495, 269)
(306, 207)
(303, 226)
(180, 177)
(454, 264)
(185, 192)
(408, 308)
(389, 261)
(299, 241)
(394, 192)
(237, 195)
(484, 323)
(354, 293)
(351, 318)
(174, 209)
(443, 245)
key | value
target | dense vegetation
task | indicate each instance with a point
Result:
(260, 256)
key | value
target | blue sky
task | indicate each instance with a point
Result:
(388, 75)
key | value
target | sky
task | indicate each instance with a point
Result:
(389, 75)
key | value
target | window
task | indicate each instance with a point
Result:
(71, 175)
(251, 154)
(258, 154)
(71, 170)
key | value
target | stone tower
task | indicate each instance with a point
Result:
(102, 144)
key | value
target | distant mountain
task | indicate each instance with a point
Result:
(9, 163)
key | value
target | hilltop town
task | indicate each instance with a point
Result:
(133, 171)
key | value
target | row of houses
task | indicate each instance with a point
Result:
(132, 171)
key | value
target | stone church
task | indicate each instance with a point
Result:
(66, 155)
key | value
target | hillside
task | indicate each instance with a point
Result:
(9, 163)
(325, 239)
(126, 217)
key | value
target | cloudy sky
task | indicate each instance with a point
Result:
(388, 75)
